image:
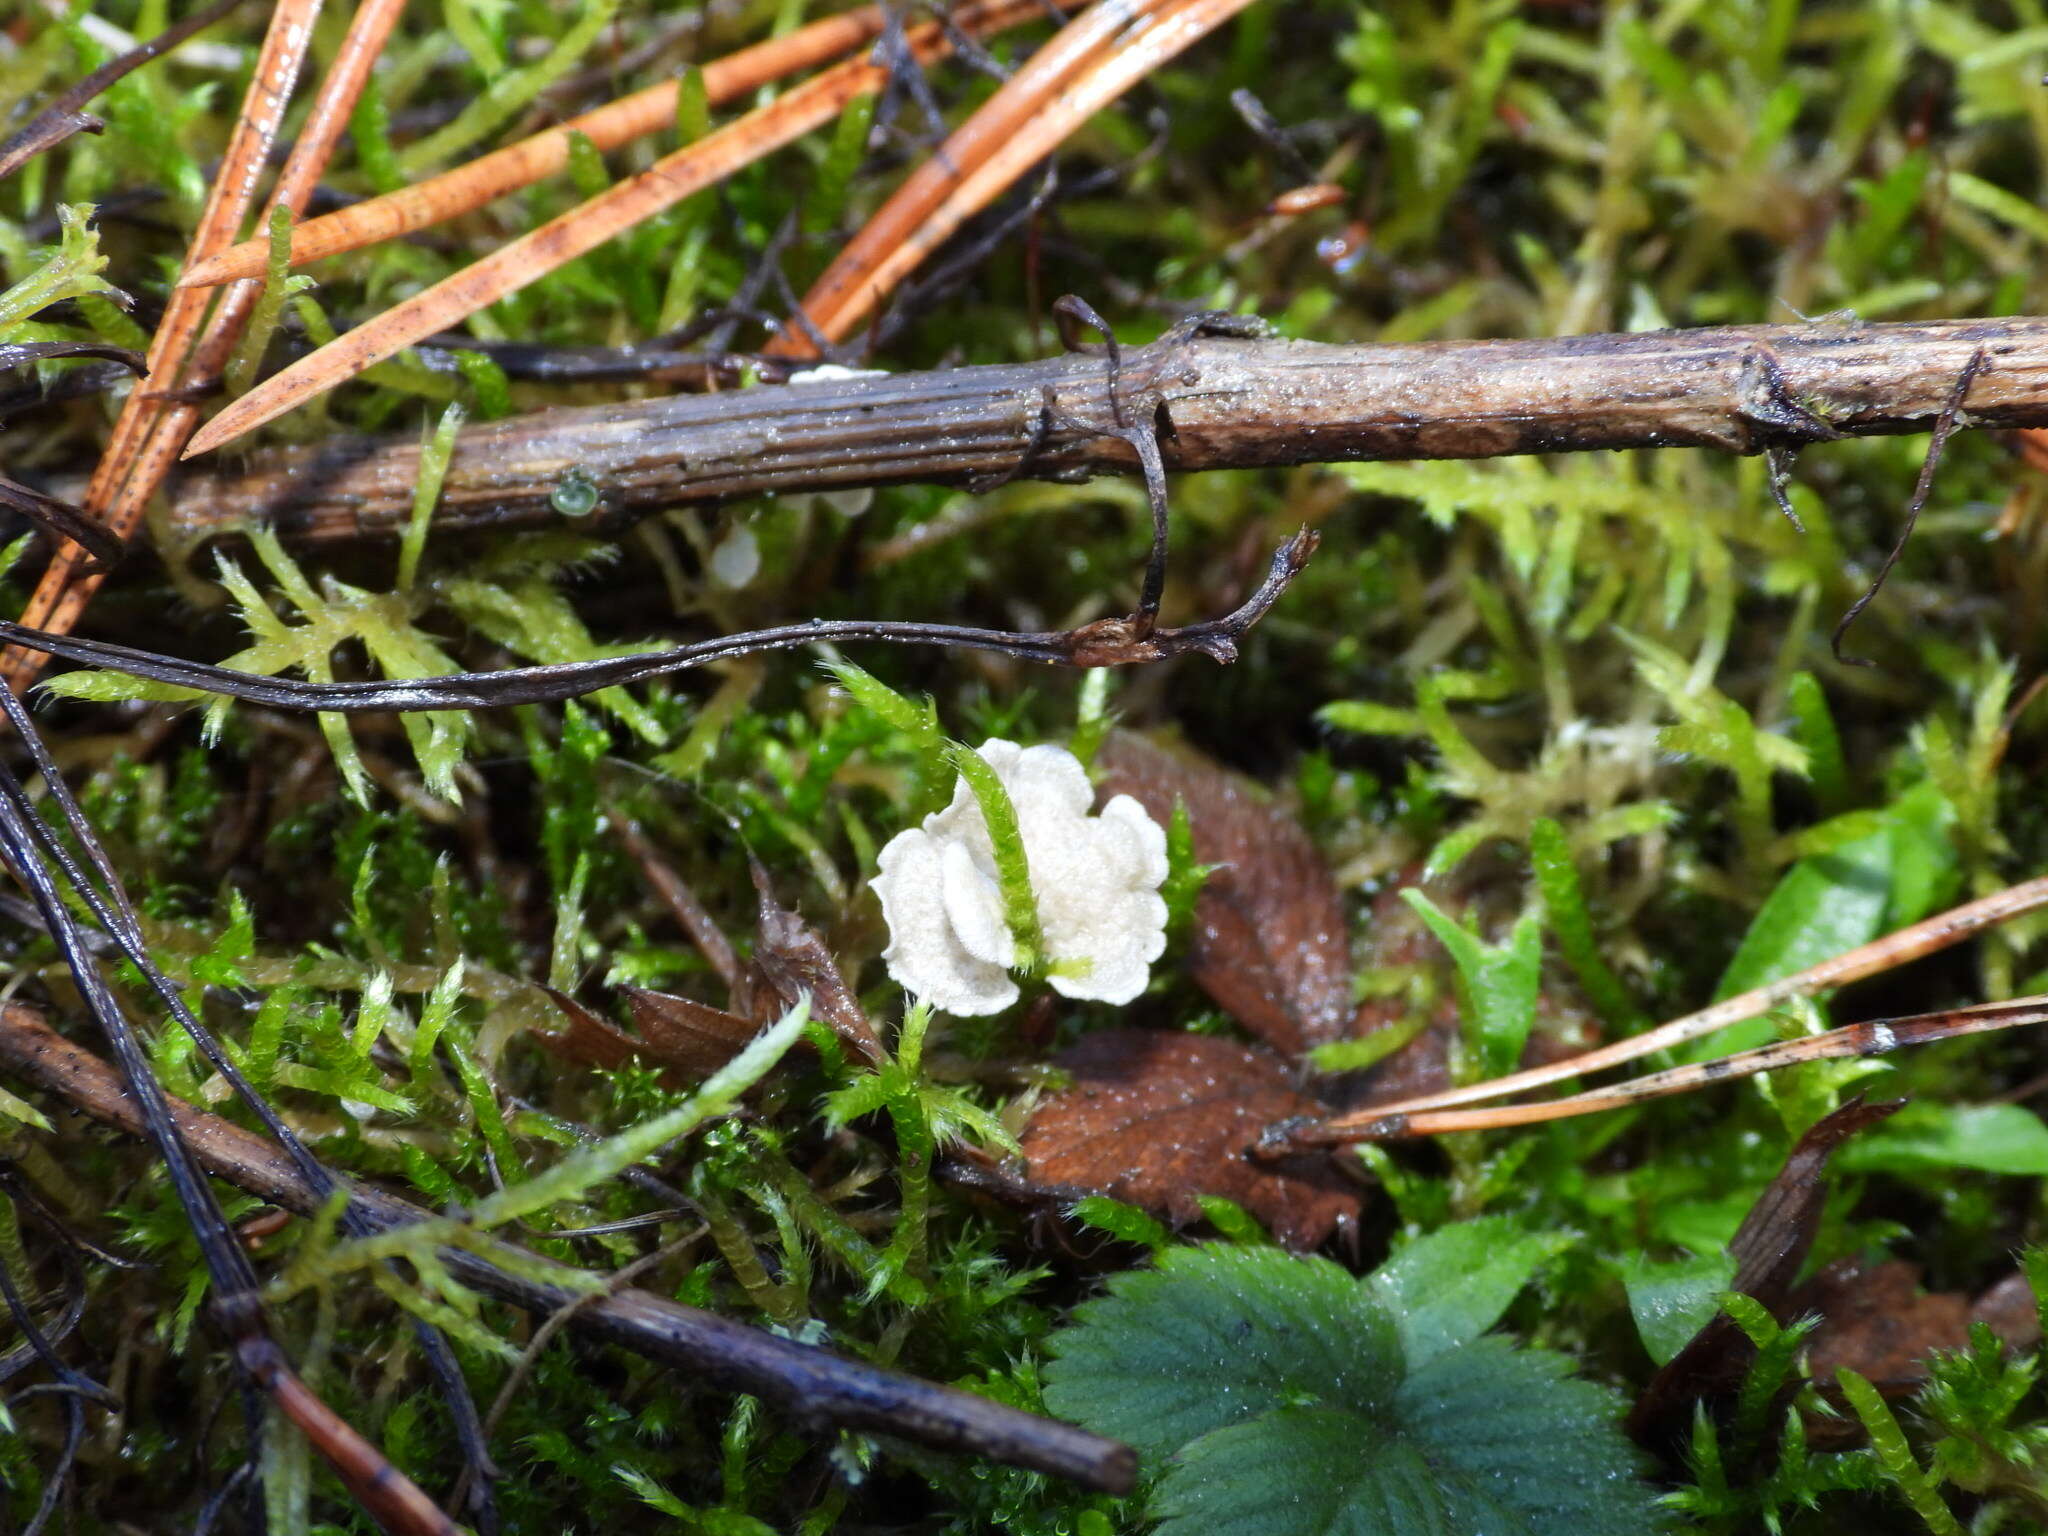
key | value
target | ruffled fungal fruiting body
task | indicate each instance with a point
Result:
(1094, 878)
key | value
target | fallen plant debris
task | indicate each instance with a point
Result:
(1170, 1121)
(812, 1384)
(1768, 1250)
(1269, 942)
(1231, 403)
(515, 1113)
(1162, 1121)
(63, 117)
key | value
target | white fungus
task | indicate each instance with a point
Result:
(736, 560)
(1094, 879)
(825, 373)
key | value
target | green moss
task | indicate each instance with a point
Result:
(1597, 690)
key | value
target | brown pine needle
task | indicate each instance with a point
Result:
(393, 1500)
(849, 289)
(1149, 43)
(137, 461)
(61, 595)
(480, 181)
(1876, 1037)
(511, 267)
(1888, 953)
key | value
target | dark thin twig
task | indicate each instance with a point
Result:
(1937, 443)
(62, 117)
(814, 1386)
(1105, 643)
(108, 902)
(906, 78)
(1272, 135)
(746, 298)
(39, 1345)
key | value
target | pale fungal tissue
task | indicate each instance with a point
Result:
(1095, 880)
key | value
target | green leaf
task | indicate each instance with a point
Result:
(1821, 908)
(1277, 1388)
(1448, 1288)
(1926, 872)
(1496, 985)
(1925, 1137)
(1813, 728)
(1215, 1336)
(1675, 1300)
(1489, 1438)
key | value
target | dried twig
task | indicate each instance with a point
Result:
(1104, 643)
(811, 1385)
(1230, 403)
(1893, 950)
(511, 267)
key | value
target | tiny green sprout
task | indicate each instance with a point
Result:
(575, 494)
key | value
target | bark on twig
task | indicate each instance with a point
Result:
(810, 1385)
(1221, 403)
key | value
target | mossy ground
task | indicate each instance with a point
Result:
(1632, 647)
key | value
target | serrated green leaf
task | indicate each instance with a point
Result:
(1448, 1288)
(1278, 1389)
(1489, 1438)
(1215, 1336)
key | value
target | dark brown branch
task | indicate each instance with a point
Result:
(1220, 403)
(811, 1385)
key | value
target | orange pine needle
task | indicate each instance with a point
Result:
(1054, 108)
(138, 458)
(1875, 1037)
(61, 595)
(393, 1500)
(836, 300)
(480, 181)
(1893, 950)
(711, 159)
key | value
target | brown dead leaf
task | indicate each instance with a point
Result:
(689, 1038)
(790, 959)
(586, 1038)
(681, 1032)
(1877, 1321)
(1155, 1119)
(1269, 943)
